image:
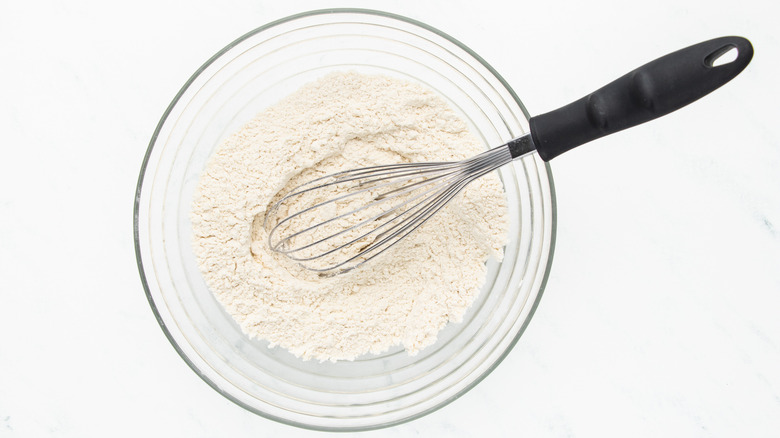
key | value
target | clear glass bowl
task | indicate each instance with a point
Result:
(254, 72)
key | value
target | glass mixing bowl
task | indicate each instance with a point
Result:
(247, 76)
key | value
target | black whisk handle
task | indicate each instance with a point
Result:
(651, 91)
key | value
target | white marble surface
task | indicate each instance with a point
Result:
(662, 313)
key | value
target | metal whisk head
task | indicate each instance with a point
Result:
(337, 222)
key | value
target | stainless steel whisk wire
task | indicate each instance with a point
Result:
(440, 182)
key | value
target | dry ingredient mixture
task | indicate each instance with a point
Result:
(407, 295)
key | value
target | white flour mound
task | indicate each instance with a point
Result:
(407, 295)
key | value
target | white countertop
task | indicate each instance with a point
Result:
(662, 313)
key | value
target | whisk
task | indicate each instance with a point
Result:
(368, 210)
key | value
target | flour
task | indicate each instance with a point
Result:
(407, 295)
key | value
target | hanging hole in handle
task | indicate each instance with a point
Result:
(722, 56)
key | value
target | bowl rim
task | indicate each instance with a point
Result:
(145, 162)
